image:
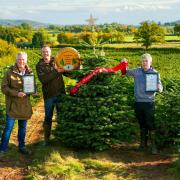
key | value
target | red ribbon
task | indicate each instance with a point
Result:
(121, 66)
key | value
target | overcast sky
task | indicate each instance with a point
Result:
(66, 12)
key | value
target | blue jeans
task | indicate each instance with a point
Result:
(49, 105)
(7, 132)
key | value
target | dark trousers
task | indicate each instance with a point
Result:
(49, 105)
(144, 112)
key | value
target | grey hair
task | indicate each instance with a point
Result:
(23, 54)
(146, 56)
(46, 46)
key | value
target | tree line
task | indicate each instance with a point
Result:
(147, 33)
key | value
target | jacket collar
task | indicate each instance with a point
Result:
(52, 60)
(14, 69)
(149, 70)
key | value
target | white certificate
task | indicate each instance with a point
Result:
(151, 82)
(28, 84)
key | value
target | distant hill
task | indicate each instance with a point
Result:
(172, 23)
(9, 22)
(35, 24)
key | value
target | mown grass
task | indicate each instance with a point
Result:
(67, 164)
(167, 38)
(59, 162)
(139, 45)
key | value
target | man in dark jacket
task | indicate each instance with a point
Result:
(52, 86)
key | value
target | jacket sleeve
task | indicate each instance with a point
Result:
(44, 76)
(5, 88)
(131, 72)
(160, 84)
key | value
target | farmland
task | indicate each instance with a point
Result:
(82, 164)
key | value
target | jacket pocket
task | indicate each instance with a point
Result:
(21, 108)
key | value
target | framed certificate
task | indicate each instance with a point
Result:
(151, 82)
(28, 84)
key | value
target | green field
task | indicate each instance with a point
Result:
(167, 38)
(61, 162)
(170, 41)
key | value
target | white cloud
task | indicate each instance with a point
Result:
(84, 5)
(44, 9)
(133, 5)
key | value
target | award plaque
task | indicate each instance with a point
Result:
(68, 58)
(151, 82)
(28, 84)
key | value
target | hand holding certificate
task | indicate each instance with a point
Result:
(29, 84)
(151, 82)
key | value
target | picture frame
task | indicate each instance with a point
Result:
(29, 84)
(151, 82)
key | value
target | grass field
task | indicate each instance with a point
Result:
(135, 45)
(167, 38)
(120, 162)
(170, 40)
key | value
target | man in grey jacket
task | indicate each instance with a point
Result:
(144, 101)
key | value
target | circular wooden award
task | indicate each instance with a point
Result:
(68, 58)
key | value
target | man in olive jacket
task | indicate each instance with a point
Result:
(52, 86)
(18, 105)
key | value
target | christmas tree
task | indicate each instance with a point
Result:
(100, 114)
